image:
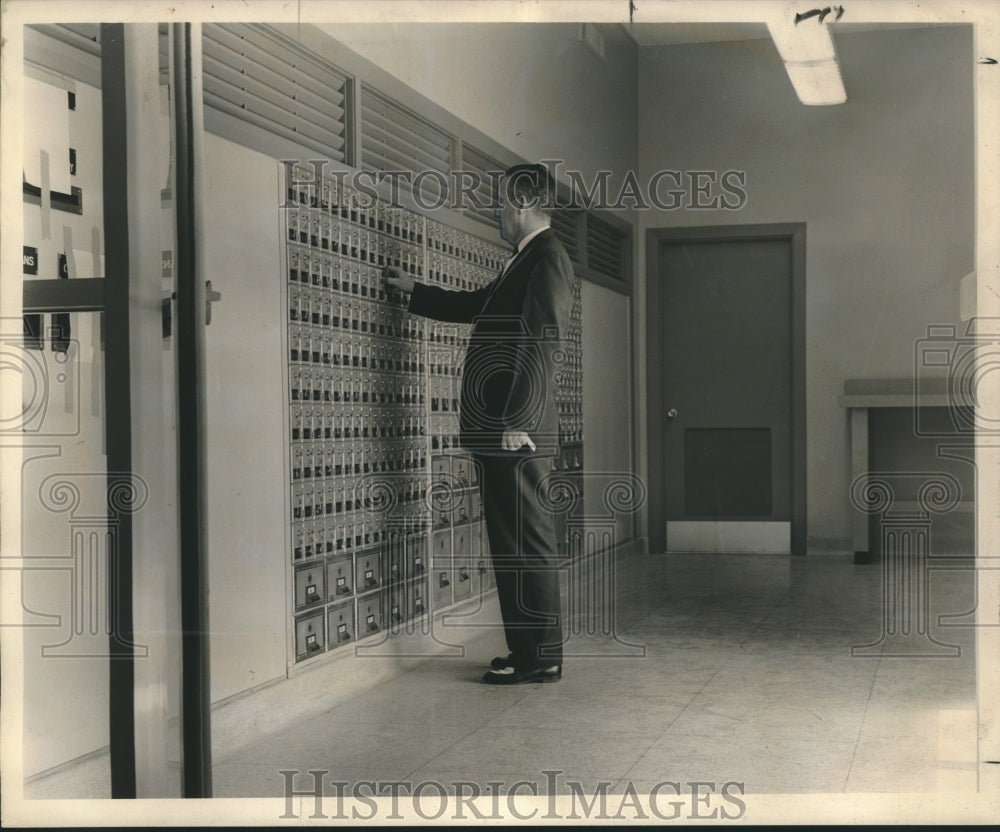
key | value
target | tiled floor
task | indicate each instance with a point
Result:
(722, 669)
(712, 668)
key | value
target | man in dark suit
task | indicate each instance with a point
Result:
(508, 417)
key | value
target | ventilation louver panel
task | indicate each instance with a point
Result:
(396, 139)
(258, 77)
(486, 171)
(605, 248)
(83, 36)
(564, 224)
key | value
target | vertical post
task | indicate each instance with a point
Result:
(195, 696)
(118, 405)
(155, 551)
(859, 469)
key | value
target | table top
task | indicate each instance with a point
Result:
(897, 392)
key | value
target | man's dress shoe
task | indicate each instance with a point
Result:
(513, 676)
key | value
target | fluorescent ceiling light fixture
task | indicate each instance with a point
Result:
(817, 82)
(809, 40)
(810, 60)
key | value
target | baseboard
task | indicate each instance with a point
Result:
(829, 546)
(636, 546)
(68, 766)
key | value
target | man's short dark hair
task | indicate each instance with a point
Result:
(530, 186)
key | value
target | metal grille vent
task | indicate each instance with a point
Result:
(83, 36)
(605, 248)
(394, 138)
(487, 170)
(257, 76)
(564, 224)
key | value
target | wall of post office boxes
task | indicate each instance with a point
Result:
(386, 519)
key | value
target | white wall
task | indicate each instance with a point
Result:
(607, 389)
(532, 87)
(248, 541)
(883, 182)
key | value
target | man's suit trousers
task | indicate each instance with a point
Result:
(523, 552)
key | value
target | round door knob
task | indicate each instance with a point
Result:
(672, 413)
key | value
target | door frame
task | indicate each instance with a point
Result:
(656, 239)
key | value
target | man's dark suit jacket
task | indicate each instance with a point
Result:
(508, 379)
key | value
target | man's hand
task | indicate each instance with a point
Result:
(394, 280)
(514, 440)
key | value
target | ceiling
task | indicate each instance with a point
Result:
(675, 34)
